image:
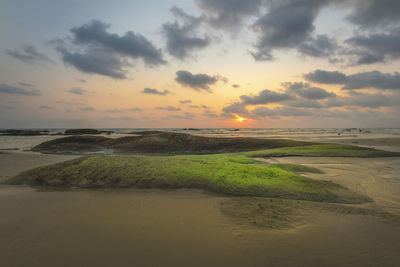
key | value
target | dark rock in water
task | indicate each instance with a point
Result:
(191, 129)
(73, 145)
(161, 143)
(12, 132)
(81, 131)
(146, 132)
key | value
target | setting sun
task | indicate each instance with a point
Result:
(240, 119)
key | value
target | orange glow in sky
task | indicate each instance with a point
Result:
(240, 119)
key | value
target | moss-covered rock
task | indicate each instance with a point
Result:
(231, 174)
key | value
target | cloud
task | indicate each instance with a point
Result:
(375, 48)
(321, 46)
(309, 98)
(228, 14)
(198, 81)
(92, 49)
(45, 107)
(184, 116)
(287, 24)
(151, 91)
(375, 13)
(235, 108)
(373, 100)
(305, 103)
(131, 44)
(117, 110)
(182, 37)
(123, 118)
(9, 89)
(210, 114)
(68, 102)
(307, 91)
(264, 97)
(236, 85)
(326, 77)
(169, 108)
(280, 111)
(77, 91)
(94, 61)
(372, 79)
(88, 109)
(28, 54)
(25, 84)
(185, 101)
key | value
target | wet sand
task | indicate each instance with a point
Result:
(12, 163)
(377, 178)
(174, 228)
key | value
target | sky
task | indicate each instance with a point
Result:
(199, 63)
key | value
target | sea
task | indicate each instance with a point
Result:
(23, 143)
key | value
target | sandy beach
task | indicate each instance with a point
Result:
(186, 227)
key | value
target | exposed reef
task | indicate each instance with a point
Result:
(13, 132)
(160, 142)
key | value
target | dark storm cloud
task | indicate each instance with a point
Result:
(185, 101)
(372, 79)
(307, 91)
(151, 91)
(375, 48)
(133, 45)
(168, 108)
(181, 35)
(198, 81)
(286, 24)
(9, 89)
(374, 13)
(28, 54)
(77, 91)
(228, 14)
(264, 97)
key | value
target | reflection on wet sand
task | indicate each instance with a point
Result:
(174, 228)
